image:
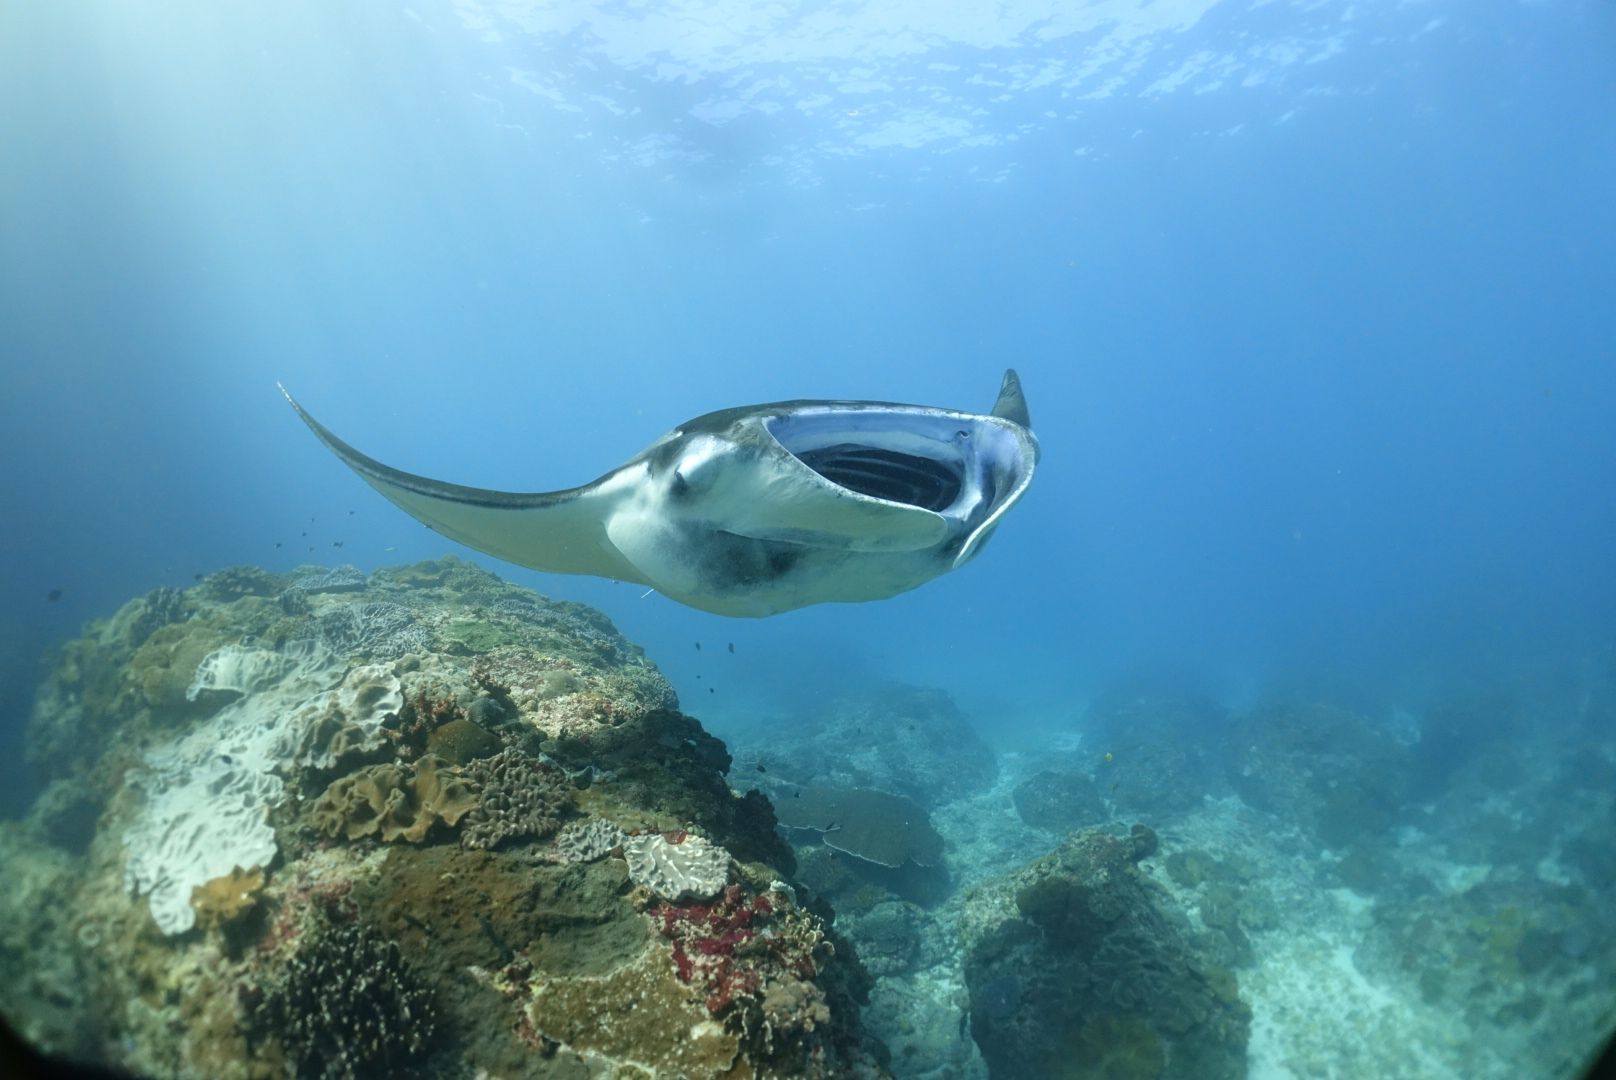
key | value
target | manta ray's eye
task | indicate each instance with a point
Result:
(961, 436)
(679, 485)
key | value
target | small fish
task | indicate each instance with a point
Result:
(54, 595)
(305, 533)
(698, 676)
(277, 543)
(336, 543)
(698, 646)
(196, 577)
(350, 513)
(732, 646)
(761, 768)
(710, 690)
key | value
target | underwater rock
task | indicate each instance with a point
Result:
(909, 740)
(1155, 756)
(1059, 801)
(887, 935)
(1502, 953)
(1076, 970)
(1336, 774)
(297, 968)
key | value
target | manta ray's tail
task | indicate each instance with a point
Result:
(1012, 403)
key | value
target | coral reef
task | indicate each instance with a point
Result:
(586, 841)
(519, 798)
(227, 898)
(882, 828)
(676, 865)
(345, 1004)
(394, 802)
(327, 579)
(1076, 970)
(279, 788)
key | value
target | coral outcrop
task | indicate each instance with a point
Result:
(413, 822)
(1077, 970)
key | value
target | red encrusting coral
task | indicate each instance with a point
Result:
(725, 948)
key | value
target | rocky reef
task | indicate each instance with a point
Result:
(1077, 967)
(416, 822)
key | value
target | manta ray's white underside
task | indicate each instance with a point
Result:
(757, 510)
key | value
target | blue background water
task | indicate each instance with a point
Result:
(1311, 301)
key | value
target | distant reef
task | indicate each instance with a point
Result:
(415, 822)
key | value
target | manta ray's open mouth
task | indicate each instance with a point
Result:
(887, 474)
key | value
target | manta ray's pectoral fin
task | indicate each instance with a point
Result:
(558, 531)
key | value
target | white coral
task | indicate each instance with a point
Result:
(690, 869)
(207, 796)
(586, 841)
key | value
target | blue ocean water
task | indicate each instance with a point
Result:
(1311, 301)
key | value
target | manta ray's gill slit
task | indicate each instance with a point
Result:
(887, 474)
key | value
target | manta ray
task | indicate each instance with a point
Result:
(756, 510)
